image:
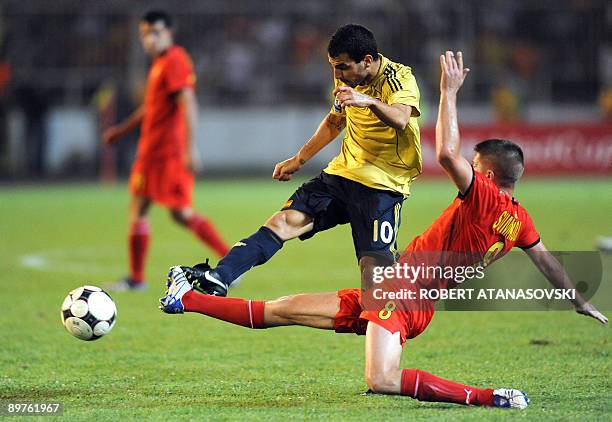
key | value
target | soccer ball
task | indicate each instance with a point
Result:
(88, 313)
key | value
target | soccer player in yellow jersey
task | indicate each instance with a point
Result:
(377, 101)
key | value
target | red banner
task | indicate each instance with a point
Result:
(550, 149)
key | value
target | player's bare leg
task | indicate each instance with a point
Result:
(139, 208)
(384, 376)
(382, 367)
(289, 224)
(254, 250)
(202, 227)
(316, 310)
(366, 268)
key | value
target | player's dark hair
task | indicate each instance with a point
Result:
(506, 158)
(354, 40)
(153, 16)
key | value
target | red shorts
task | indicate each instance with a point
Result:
(166, 182)
(351, 318)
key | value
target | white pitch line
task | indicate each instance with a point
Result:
(84, 261)
(33, 261)
(81, 261)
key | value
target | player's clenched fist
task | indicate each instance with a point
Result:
(453, 73)
(348, 97)
(284, 169)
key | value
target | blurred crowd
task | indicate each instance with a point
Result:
(273, 52)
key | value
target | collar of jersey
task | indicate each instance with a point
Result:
(383, 64)
(165, 52)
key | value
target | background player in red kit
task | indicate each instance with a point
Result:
(162, 172)
(482, 223)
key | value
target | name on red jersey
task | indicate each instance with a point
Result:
(507, 226)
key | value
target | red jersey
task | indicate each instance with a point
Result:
(163, 131)
(480, 226)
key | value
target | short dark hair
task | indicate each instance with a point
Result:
(153, 16)
(506, 158)
(354, 40)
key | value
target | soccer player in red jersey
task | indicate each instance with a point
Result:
(483, 223)
(162, 172)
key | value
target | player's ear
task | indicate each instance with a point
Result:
(367, 60)
(490, 174)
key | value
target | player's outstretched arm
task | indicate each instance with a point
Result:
(556, 275)
(187, 101)
(114, 133)
(448, 142)
(328, 130)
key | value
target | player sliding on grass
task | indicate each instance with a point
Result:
(162, 172)
(467, 232)
(365, 185)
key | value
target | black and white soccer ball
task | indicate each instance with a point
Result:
(88, 313)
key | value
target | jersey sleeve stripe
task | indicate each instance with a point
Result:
(531, 245)
(467, 191)
(387, 74)
(394, 83)
(394, 76)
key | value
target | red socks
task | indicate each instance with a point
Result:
(415, 383)
(206, 232)
(247, 313)
(424, 386)
(138, 244)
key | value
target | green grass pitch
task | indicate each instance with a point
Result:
(156, 366)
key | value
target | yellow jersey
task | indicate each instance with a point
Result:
(373, 153)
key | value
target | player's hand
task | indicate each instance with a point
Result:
(453, 72)
(348, 97)
(589, 310)
(111, 135)
(284, 169)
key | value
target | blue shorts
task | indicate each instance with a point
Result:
(374, 214)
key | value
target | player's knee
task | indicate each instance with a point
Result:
(178, 216)
(366, 267)
(281, 307)
(280, 311)
(379, 382)
(280, 224)
(366, 264)
(137, 220)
